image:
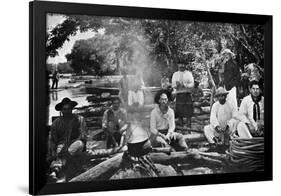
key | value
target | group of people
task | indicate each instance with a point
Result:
(226, 117)
(68, 132)
(67, 138)
(226, 120)
(122, 129)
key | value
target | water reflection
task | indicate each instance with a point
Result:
(54, 96)
(76, 94)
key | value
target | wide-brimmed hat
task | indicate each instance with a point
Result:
(64, 102)
(227, 51)
(221, 91)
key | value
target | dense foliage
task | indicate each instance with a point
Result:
(154, 46)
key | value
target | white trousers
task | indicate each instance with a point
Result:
(232, 99)
(210, 131)
(243, 131)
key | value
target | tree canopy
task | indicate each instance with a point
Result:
(154, 46)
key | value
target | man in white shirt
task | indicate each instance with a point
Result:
(162, 124)
(183, 82)
(221, 119)
(252, 111)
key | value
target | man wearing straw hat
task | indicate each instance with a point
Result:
(221, 119)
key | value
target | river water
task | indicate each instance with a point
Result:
(66, 89)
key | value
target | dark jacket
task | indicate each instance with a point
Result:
(66, 132)
(231, 74)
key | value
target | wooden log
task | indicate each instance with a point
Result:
(100, 90)
(93, 131)
(201, 117)
(110, 166)
(104, 170)
(94, 124)
(98, 153)
(95, 99)
(187, 129)
(195, 137)
(93, 118)
(213, 155)
(142, 109)
(183, 157)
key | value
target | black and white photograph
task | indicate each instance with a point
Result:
(150, 98)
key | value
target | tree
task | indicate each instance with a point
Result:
(155, 46)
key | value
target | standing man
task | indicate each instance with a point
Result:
(55, 79)
(252, 111)
(231, 76)
(67, 137)
(162, 123)
(183, 83)
(221, 119)
(114, 123)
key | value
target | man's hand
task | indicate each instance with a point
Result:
(163, 142)
(170, 136)
(250, 127)
(260, 124)
(178, 85)
(104, 126)
(218, 129)
(260, 130)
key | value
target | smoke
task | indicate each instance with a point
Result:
(138, 60)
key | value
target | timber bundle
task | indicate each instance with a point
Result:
(247, 153)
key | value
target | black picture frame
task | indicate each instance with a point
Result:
(38, 96)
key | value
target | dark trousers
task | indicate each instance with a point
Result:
(113, 139)
(178, 143)
(55, 84)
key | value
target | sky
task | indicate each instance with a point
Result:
(52, 21)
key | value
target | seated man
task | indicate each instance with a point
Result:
(162, 124)
(114, 123)
(252, 111)
(221, 119)
(67, 137)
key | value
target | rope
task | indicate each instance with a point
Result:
(247, 154)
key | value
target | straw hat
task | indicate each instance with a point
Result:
(221, 91)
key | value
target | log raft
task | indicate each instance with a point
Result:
(110, 166)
